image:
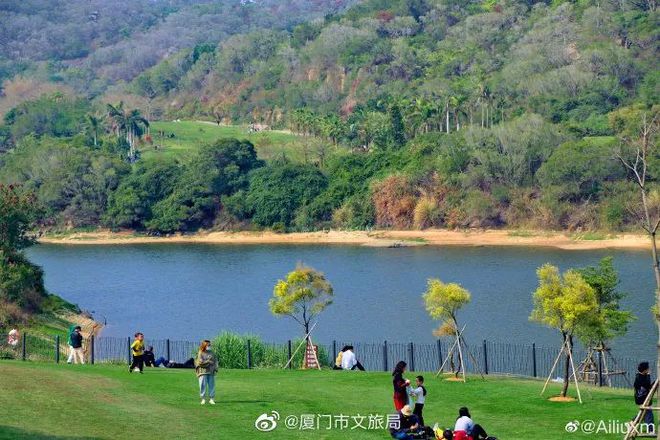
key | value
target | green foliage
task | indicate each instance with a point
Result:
(232, 352)
(564, 302)
(442, 300)
(302, 295)
(50, 115)
(612, 321)
(217, 170)
(277, 192)
(21, 282)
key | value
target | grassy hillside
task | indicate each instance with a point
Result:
(105, 402)
(190, 135)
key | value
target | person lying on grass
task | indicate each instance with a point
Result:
(206, 366)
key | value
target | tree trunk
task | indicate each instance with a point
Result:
(567, 366)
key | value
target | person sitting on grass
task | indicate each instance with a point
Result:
(340, 355)
(349, 361)
(419, 393)
(206, 366)
(149, 357)
(137, 349)
(466, 429)
(408, 427)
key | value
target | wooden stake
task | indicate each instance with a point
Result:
(300, 345)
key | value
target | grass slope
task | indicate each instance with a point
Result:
(189, 135)
(105, 402)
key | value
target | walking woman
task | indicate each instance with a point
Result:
(206, 365)
(400, 384)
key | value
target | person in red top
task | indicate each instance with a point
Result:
(400, 384)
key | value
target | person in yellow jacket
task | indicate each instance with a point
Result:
(137, 349)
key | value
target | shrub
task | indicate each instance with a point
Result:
(231, 349)
(394, 202)
(427, 213)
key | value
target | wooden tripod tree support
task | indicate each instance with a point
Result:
(308, 341)
(460, 345)
(633, 427)
(565, 350)
(594, 371)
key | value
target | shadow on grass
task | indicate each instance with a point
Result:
(9, 432)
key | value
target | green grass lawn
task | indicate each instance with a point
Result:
(189, 135)
(41, 400)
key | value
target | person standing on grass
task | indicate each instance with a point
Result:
(76, 340)
(419, 393)
(137, 349)
(206, 366)
(643, 388)
(400, 384)
(69, 359)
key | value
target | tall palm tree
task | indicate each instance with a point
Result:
(94, 125)
(130, 124)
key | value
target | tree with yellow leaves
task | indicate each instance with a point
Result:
(567, 303)
(443, 301)
(302, 295)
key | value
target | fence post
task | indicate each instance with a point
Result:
(167, 349)
(289, 350)
(411, 353)
(534, 359)
(385, 356)
(91, 350)
(24, 347)
(249, 355)
(57, 349)
(485, 358)
(600, 368)
(334, 351)
(439, 353)
(129, 350)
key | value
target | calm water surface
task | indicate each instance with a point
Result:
(190, 291)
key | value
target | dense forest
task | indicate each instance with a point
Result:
(422, 113)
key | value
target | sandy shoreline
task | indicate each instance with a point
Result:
(382, 238)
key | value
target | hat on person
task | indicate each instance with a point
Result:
(406, 411)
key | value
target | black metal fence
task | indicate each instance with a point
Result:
(486, 357)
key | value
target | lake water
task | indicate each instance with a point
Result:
(192, 291)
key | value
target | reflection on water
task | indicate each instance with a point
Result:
(190, 291)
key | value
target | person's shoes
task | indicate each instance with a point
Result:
(203, 402)
(211, 402)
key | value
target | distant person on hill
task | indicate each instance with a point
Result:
(76, 339)
(137, 349)
(149, 358)
(419, 393)
(400, 384)
(643, 388)
(206, 366)
(466, 429)
(13, 337)
(340, 355)
(349, 361)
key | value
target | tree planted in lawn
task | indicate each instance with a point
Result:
(302, 295)
(567, 303)
(612, 320)
(443, 301)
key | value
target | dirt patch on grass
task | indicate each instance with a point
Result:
(562, 399)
